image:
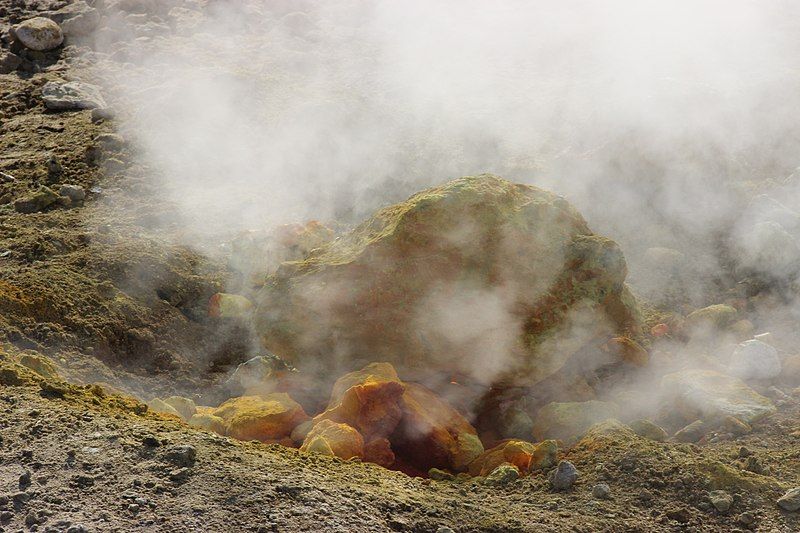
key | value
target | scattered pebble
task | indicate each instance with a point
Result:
(563, 476)
(790, 501)
(76, 193)
(601, 491)
(721, 500)
(71, 95)
(183, 455)
(503, 475)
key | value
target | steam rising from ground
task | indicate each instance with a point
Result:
(658, 120)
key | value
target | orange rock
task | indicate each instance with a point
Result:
(526, 456)
(334, 439)
(269, 418)
(432, 434)
(368, 400)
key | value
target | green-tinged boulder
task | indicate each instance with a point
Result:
(711, 318)
(186, 407)
(712, 396)
(39, 200)
(158, 405)
(477, 270)
(570, 420)
(649, 430)
(39, 364)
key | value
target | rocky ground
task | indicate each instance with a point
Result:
(108, 294)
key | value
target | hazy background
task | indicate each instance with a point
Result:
(658, 120)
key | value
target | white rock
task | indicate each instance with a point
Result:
(755, 359)
(39, 33)
(71, 95)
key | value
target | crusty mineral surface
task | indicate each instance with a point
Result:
(481, 277)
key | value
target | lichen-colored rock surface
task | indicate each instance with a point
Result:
(713, 396)
(526, 456)
(520, 258)
(334, 439)
(270, 418)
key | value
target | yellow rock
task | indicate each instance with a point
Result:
(335, 439)
(208, 421)
(185, 406)
(526, 456)
(159, 406)
(39, 364)
(267, 418)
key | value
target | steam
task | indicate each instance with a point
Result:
(657, 120)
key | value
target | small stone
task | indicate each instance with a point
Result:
(150, 441)
(502, 475)
(601, 491)
(6, 516)
(445, 529)
(133, 508)
(691, 433)
(39, 33)
(76, 193)
(25, 479)
(183, 455)
(563, 476)
(440, 475)
(77, 528)
(179, 475)
(746, 519)
(9, 62)
(754, 359)
(721, 500)
(734, 426)
(38, 201)
(649, 430)
(790, 501)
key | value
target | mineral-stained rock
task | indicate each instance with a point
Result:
(208, 421)
(270, 418)
(526, 456)
(691, 433)
(647, 429)
(477, 266)
(159, 406)
(335, 439)
(39, 364)
(39, 33)
(569, 420)
(369, 400)
(432, 434)
(185, 406)
(502, 475)
(713, 396)
(42, 198)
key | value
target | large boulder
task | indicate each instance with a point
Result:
(712, 396)
(334, 439)
(481, 277)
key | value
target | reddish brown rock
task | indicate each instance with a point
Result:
(432, 434)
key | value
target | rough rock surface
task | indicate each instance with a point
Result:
(71, 95)
(385, 290)
(754, 359)
(270, 418)
(713, 396)
(526, 456)
(334, 439)
(39, 33)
